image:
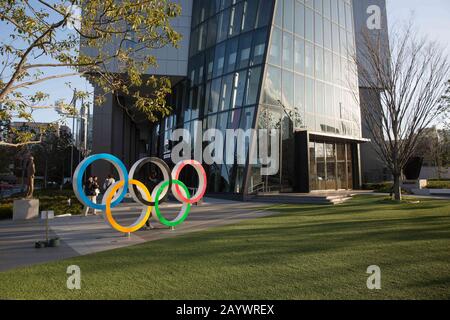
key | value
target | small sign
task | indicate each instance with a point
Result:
(47, 215)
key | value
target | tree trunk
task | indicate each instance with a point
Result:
(46, 175)
(397, 188)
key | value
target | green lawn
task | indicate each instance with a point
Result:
(308, 252)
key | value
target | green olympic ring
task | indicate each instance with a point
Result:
(184, 212)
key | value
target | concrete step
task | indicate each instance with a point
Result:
(292, 198)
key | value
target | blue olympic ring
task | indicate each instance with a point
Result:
(78, 183)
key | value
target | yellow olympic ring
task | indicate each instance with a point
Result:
(141, 221)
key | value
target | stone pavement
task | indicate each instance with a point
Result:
(86, 235)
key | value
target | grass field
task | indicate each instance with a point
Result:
(306, 252)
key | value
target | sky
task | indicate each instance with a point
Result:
(431, 17)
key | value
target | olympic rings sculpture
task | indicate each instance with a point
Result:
(140, 193)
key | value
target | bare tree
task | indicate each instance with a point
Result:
(407, 81)
(446, 99)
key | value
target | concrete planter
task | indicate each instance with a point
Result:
(25, 209)
(431, 192)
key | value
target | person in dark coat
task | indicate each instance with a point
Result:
(91, 190)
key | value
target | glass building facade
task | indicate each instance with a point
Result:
(282, 64)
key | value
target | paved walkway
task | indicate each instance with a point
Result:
(86, 235)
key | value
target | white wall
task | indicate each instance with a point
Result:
(432, 173)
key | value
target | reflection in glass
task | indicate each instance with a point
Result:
(288, 61)
(309, 25)
(254, 76)
(299, 19)
(272, 86)
(299, 55)
(275, 47)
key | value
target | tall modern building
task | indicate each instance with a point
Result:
(282, 64)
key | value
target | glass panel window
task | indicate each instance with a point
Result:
(327, 33)
(299, 94)
(235, 117)
(310, 121)
(223, 25)
(238, 89)
(272, 87)
(275, 47)
(336, 68)
(288, 21)
(350, 45)
(288, 90)
(327, 8)
(321, 170)
(337, 103)
(329, 101)
(227, 84)
(313, 167)
(343, 37)
(226, 3)
(299, 55)
(232, 48)
(212, 32)
(210, 63)
(254, 76)
(341, 12)
(215, 95)
(236, 19)
(259, 47)
(349, 166)
(318, 29)
(328, 65)
(245, 45)
(212, 120)
(318, 5)
(219, 60)
(348, 17)
(319, 63)
(334, 11)
(250, 11)
(309, 59)
(320, 98)
(247, 118)
(331, 166)
(207, 98)
(309, 25)
(264, 15)
(299, 19)
(279, 13)
(288, 61)
(309, 94)
(335, 38)
(201, 37)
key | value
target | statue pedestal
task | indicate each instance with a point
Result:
(25, 209)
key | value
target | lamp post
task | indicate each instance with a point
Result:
(74, 116)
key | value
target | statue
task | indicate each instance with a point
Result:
(31, 171)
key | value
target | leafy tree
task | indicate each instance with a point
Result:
(110, 46)
(52, 156)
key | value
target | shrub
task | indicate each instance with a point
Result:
(436, 184)
(384, 187)
(49, 200)
(6, 211)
